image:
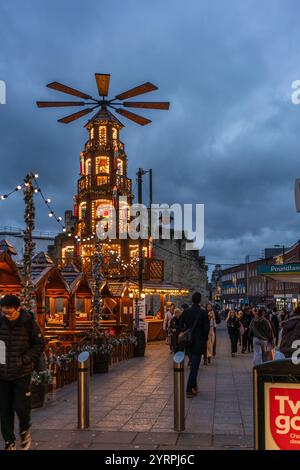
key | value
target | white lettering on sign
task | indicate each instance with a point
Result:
(2, 353)
(296, 353)
(284, 422)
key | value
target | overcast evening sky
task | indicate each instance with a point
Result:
(231, 139)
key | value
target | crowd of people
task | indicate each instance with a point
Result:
(262, 331)
(201, 322)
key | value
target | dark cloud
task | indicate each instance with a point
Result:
(230, 139)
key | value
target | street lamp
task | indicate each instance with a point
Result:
(283, 253)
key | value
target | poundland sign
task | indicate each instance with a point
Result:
(280, 269)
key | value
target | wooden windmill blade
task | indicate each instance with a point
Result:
(54, 104)
(74, 116)
(147, 104)
(102, 80)
(139, 90)
(133, 117)
(66, 89)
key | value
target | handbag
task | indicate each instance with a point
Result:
(185, 338)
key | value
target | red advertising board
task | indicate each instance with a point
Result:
(282, 416)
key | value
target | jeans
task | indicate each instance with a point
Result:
(234, 337)
(261, 351)
(14, 398)
(192, 380)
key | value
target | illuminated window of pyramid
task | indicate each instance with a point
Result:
(82, 210)
(102, 135)
(88, 167)
(120, 167)
(102, 165)
(92, 133)
(114, 133)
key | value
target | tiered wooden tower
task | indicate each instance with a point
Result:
(103, 176)
(103, 179)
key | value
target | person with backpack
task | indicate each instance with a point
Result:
(195, 323)
(21, 346)
(263, 337)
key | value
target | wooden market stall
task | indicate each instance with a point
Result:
(80, 296)
(165, 291)
(10, 278)
(52, 293)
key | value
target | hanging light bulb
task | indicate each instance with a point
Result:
(4, 197)
(18, 187)
(69, 234)
(59, 218)
(50, 214)
(36, 190)
(36, 175)
(64, 229)
(48, 200)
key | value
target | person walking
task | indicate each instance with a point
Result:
(195, 318)
(209, 309)
(21, 345)
(166, 324)
(274, 320)
(211, 336)
(290, 333)
(245, 321)
(175, 329)
(233, 327)
(263, 337)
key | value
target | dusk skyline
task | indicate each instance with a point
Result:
(230, 139)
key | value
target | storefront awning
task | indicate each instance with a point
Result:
(281, 272)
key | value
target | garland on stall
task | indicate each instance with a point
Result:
(29, 245)
(42, 377)
(105, 348)
(96, 273)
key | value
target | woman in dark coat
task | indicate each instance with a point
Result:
(233, 327)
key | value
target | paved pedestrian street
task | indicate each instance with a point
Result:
(132, 407)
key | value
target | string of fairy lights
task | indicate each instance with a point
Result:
(47, 201)
(51, 213)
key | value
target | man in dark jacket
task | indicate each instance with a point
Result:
(195, 317)
(290, 333)
(21, 345)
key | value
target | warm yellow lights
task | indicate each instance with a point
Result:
(88, 167)
(115, 133)
(67, 251)
(92, 133)
(102, 135)
(102, 165)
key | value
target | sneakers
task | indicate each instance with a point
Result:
(10, 446)
(192, 393)
(25, 440)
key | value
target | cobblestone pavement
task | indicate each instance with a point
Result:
(132, 407)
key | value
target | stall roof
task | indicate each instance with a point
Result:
(156, 287)
(76, 280)
(10, 279)
(281, 272)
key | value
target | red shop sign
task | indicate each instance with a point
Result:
(282, 416)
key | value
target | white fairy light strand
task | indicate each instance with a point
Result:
(47, 201)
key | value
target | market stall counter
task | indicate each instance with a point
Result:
(155, 328)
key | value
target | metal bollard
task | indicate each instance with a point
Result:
(179, 414)
(83, 390)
